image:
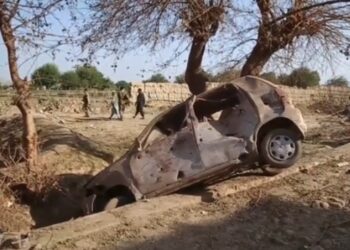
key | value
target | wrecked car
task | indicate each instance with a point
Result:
(250, 122)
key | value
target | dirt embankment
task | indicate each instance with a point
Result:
(309, 210)
(72, 150)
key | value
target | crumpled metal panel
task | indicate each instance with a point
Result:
(242, 120)
(193, 149)
(165, 161)
(216, 148)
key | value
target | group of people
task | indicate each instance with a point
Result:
(118, 103)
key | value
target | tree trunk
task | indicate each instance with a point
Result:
(30, 139)
(257, 60)
(194, 76)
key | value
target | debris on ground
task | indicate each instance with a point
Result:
(343, 164)
(14, 241)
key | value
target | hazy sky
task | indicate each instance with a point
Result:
(131, 67)
(139, 64)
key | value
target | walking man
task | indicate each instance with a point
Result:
(121, 97)
(115, 106)
(86, 103)
(140, 103)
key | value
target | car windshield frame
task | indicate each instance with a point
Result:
(207, 96)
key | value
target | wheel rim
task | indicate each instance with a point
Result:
(282, 148)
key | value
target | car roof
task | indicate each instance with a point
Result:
(252, 85)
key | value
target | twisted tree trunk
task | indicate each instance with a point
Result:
(256, 61)
(30, 143)
(194, 76)
(203, 26)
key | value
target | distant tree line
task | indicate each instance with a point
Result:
(302, 77)
(156, 78)
(83, 76)
(5, 84)
(87, 76)
(2, 85)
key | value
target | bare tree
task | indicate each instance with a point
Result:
(298, 25)
(248, 33)
(25, 21)
(120, 26)
(202, 22)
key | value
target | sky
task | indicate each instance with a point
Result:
(139, 64)
(134, 66)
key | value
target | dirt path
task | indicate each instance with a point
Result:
(115, 135)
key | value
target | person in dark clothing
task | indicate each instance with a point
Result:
(140, 103)
(86, 103)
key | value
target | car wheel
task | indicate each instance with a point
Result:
(279, 149)
(105, 203)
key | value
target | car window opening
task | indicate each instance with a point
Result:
(205, 107)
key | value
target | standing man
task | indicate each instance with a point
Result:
(140, 103)
(86, 103)
(114, 106)
(121, 96)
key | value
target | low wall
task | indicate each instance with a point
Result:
(179, 92)
(160, 93)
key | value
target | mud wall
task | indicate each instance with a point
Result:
(158, 94)
(179, 92)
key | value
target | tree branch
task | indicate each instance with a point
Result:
(306, 8)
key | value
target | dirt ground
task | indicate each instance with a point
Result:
(73, 148)
(304, 211)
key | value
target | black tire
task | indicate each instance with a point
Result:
(280, 149)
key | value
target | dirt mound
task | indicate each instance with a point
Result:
(51, 191)
(54, 140)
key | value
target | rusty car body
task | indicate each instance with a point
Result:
(210, 135)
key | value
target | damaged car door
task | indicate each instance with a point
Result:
(215, 146)
(167, 159)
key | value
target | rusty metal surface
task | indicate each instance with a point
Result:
(203, 137)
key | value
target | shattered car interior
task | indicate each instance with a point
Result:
(209, 135)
